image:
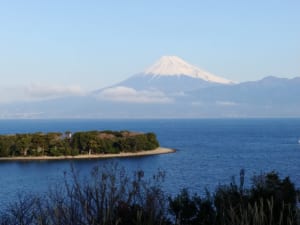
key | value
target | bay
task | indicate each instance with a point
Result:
(209, 152)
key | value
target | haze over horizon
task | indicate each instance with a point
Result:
(55, 48)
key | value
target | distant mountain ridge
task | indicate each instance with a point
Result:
(267, 91)
(171, 88)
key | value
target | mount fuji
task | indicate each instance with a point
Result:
(171, 88)
(172, 75)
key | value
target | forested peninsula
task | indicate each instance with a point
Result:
(57, 144)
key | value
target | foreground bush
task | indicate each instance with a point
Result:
(269, 201)
(109, 196)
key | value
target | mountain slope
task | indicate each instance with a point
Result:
(168, 84)
(267, 91)
(171, 74)
(269, 97)
(175, 66)
(171, 88)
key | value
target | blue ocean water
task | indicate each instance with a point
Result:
(209, 152)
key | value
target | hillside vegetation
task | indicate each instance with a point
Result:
(89, 142)
(109, 196)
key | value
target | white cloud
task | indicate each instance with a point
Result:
(226, 103)
(38, 92)
(197, 103)
(126, 94)
(179, 94)
(50, 91)
(8, 94)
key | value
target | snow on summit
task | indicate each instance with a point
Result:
(175, 66)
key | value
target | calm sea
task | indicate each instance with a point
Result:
(209, 152)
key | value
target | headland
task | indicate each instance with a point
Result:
(157, 151)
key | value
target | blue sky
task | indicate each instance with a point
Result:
(84, 45)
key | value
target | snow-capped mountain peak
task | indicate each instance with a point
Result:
(175, 66)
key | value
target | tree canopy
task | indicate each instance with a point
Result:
(88, 142)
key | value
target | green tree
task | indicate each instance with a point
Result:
(22, 144)
(6, 145)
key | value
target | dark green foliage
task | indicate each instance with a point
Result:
(270, 200)
(6, 143)
(192, 210)
(109, 196)
(90, 142)
(281, 193)
(227, 196)
(185, 208)
(152, 141)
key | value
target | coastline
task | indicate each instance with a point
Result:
(157, 151)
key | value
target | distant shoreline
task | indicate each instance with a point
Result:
(157, 151)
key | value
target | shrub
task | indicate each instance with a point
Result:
(110, 196)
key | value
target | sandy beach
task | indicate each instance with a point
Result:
(156, 151)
